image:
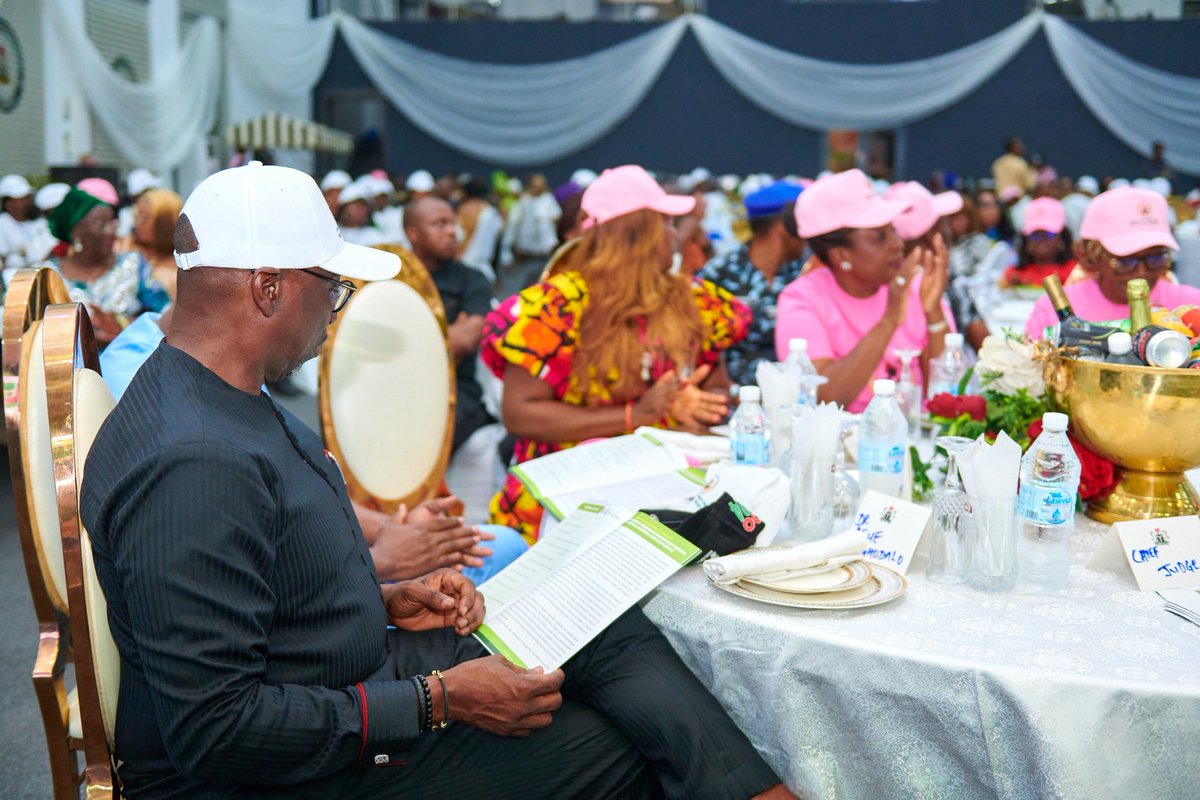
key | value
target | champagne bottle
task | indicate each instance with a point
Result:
(1137, 292)
(1058, 298)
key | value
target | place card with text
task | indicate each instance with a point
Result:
(893, 529)
(1162, 553)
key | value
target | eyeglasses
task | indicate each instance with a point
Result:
(1041, 236)
(1155, 262)
(344, 289)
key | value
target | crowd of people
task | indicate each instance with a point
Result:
(575, 312)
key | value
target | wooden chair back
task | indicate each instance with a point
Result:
(79, 401)
(27, 430)
(387, 389)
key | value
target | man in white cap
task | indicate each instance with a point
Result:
(419, 183)
(354, 214)
(17, 234)
(1076, 202)
(256, 658)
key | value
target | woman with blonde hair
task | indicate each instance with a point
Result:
(154, 218)
(613, 340)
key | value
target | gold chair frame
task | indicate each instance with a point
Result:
(68, 343)
(414, 274)
(29, 294)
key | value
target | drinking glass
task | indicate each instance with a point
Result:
(994, 544)
(908, 393)
(948, 555)
(812, 494)
(845, 488)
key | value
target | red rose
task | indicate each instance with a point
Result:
(1097, 475)
(951, 406)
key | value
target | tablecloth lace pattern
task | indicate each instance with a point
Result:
(1092, 692)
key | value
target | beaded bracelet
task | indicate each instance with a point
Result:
(445, 700)
(428, 698)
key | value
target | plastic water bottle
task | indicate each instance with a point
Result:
(883, 443)
(1046, 506)
(750, 433)
(947, 370)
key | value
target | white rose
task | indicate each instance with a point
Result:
(1007, 366)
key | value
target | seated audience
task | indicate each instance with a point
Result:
(116, 288)
(1124, 235)
(867, 298)
(1045, 245)
(256, 658)
(756, 273)
(354, 214)
(481, 226)
(17, 233)
(430, 225)
(927, 218)
(612, 342)
(154, 216)
(992, 216)
(140, 181)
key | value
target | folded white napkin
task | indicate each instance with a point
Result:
(990, 471)
(728, 569)
(701, 449)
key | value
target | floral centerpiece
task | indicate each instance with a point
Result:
(1012, 399)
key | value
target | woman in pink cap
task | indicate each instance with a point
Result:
(613, 340)
(871, 299)
(1125, 234)
(1045, 245)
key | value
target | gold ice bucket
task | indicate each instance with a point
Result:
(1144, 419)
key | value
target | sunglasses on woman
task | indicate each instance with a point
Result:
(1155, 262)
(1041, 236)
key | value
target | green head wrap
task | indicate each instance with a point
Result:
(74, 207)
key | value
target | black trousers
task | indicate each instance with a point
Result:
(634, 723)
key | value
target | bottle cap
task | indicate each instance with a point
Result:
(797, 345)
(954, 340)
(885, 387)
(1119, 343)
(1054, 421)
(749, 394)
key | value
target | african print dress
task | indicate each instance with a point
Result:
(538, 330)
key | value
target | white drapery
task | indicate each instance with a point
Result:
(1137, 103)
(513, 114)
(155, 124)
(827, 94)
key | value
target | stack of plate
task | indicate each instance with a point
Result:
(838, 583)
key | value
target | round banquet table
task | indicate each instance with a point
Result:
(948, 692)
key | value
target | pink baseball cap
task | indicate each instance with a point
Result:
(1127, 220)
(843, 200)
(99, 189)
(623, 190)
(1044, 214)
(924, 209)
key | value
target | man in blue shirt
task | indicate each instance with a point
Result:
(758, 271)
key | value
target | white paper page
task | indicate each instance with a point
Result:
(654, 491)
(576, 532)
(562, 609)
(599, 463)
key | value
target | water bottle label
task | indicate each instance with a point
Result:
(1046, 506)
(881, 457)
(752, 450)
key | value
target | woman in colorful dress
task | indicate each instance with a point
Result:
(115, 287)
(613, 341)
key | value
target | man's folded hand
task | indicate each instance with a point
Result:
(441, 599)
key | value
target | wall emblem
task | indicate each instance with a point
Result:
(12, 67)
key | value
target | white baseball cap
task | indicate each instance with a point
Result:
(335, 179)
(141, 180)
(583, 177)
(420, 181)
(361, 189)
(15, 186)
(50, 196)
(256, 216)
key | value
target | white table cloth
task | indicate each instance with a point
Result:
(948, 692)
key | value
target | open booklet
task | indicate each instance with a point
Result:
(634, 471)
(559, 595)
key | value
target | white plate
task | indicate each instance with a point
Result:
(837, 579)
(884, 585)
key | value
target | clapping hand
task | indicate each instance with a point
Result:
(935, 270)
(695, 409)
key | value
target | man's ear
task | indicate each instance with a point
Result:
(265, 288)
